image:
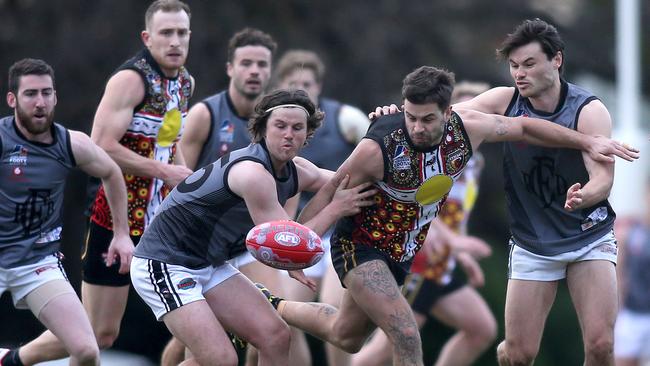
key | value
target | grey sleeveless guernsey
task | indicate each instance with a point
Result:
(202, 222)
(31, 193)
(537, 178)
(228, 131)
(637, 269)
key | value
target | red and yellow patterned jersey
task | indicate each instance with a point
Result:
(156, 127)
(413, 190)
(454, 214)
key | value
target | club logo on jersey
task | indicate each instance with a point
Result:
(401, 159)
(35, 211)
(455, 161)
(544, 182)
(18, 156)
(287, 239)
(186, 284)
(227, 131)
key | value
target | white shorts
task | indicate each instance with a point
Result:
(632, 335)
(166, 287)
(525, 265)
(20, 281)
(242, 260)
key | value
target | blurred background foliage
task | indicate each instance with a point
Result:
(368, 47)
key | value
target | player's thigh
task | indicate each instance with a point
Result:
(242, 309)
(105, 305)
(464, 309)
(592, 285)
(63, 314)
(196, 326)
(527, 306)
(373, 288)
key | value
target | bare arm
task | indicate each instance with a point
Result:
(594, 120)
(493, 101)
(124, 91)
(197, 128)
(364, 165)
(94, 161)
(493, 128)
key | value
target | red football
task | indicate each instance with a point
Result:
(284, 244)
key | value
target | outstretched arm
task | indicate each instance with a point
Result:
(364, 165)
(94, 161)
(493, 128)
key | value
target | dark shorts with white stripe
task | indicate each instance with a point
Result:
(422, 293)
(346, 256)
(94, 270)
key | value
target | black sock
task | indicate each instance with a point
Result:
(12, 359)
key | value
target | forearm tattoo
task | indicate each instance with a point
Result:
(501, 126)
(325, 310)
(378, 279)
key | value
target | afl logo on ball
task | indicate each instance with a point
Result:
(287, 239)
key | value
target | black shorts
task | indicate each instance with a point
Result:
(347, 255)
(422, 294)
(94, 270)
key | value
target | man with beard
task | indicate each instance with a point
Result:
(412, 159)
(138, 123)
(36, 155)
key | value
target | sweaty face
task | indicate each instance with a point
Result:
(425, 123)
(286, 132)
(34, 104)
(250, 70)
(303, 79)
(532, 71)
(168, 40)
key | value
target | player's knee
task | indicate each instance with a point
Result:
(600, 347)
(348, 338)
(513, 354)
(350, 345)
(406, 339)
(86, 353)
(105, 339)
(484, 335)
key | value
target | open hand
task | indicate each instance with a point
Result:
(573, 197)
(602, 149)
(300, 276)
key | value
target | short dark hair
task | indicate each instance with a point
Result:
(300, 59)
(28, 66)
(257, 123)
(535, 30)
(250, 37)
(428, 84)
(166, 6)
